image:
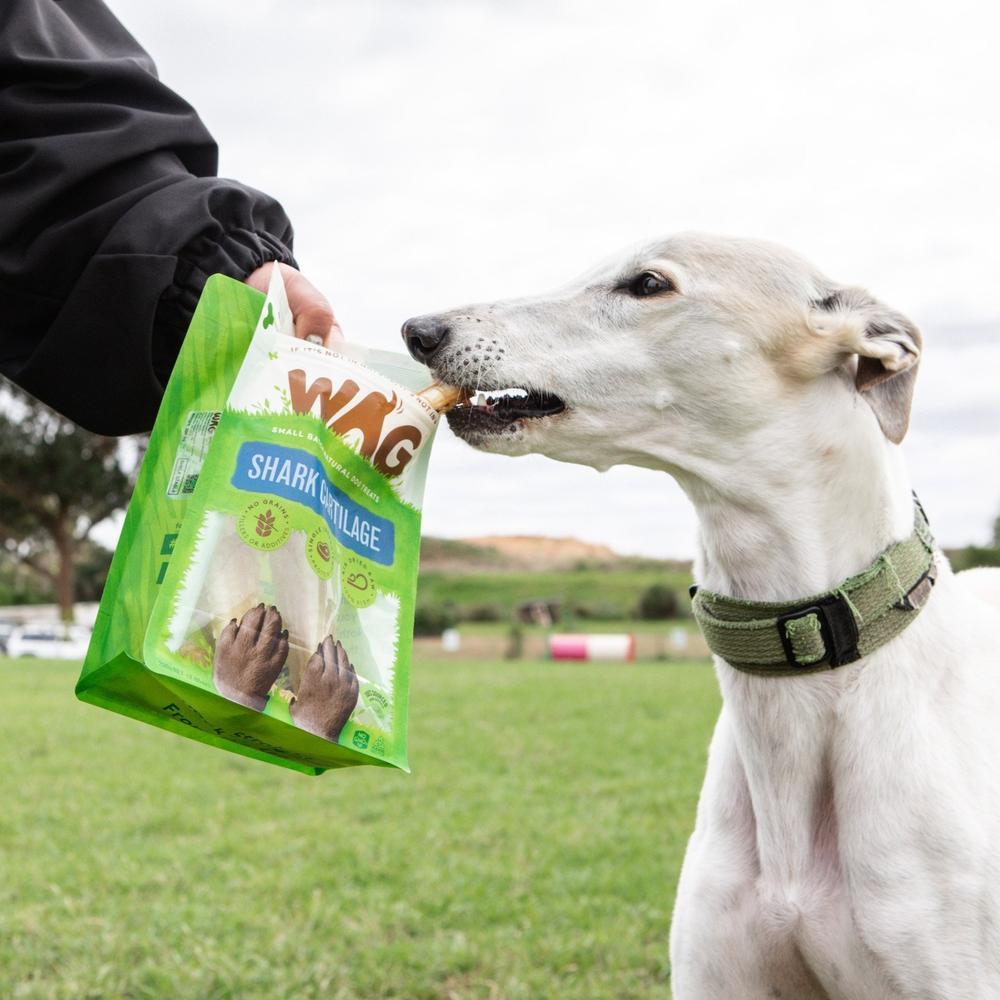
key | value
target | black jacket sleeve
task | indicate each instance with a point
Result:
(111, 216)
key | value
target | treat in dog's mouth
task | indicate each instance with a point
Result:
(490, 410)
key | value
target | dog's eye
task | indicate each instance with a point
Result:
(649, 283)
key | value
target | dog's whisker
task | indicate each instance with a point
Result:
(484, 368)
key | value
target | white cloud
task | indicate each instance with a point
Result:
(436, 153)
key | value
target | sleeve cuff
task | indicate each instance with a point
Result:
(238, 254)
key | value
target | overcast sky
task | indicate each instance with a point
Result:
(436, 153)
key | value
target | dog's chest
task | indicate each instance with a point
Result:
(875, 813)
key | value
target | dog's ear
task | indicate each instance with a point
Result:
(886, 346)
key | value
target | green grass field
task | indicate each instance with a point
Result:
(635, 626)
(615, 590)
(532, 853)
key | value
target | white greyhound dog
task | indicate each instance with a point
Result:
(847, 842)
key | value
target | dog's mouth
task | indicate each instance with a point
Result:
(487, 411)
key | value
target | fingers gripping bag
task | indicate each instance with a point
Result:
(262, 596)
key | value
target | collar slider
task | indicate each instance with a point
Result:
(916, 596)
(837, 629)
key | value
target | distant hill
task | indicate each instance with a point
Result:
(528, 554)
(543, 553)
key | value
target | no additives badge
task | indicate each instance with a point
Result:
(264, 525)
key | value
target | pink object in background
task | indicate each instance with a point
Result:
(617, 646)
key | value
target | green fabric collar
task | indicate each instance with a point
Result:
(827, 630)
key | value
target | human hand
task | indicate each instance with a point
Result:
(313, 315)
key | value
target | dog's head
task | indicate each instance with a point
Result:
(668, 353)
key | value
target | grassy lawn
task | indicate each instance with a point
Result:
(532, 853)
(633, 625)
(616, 590)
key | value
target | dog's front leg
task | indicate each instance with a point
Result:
(720, 946)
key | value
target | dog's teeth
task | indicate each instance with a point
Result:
(497, 397)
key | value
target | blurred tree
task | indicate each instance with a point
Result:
(480, 613)
(18, 585)
(92, 563)
(57, 482)
(972, 556)
(432, 619)
(658, 603)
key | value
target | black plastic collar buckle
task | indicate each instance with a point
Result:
(837, 628)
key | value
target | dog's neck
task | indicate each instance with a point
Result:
(801, 508)
(815, 501)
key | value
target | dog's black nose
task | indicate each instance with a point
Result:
(424, 336)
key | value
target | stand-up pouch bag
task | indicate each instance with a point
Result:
(261, 597)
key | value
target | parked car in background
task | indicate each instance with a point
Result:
(49, 642)
(6, 627)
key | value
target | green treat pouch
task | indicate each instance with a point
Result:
(261, 597)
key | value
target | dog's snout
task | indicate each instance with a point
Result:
(424, 336)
